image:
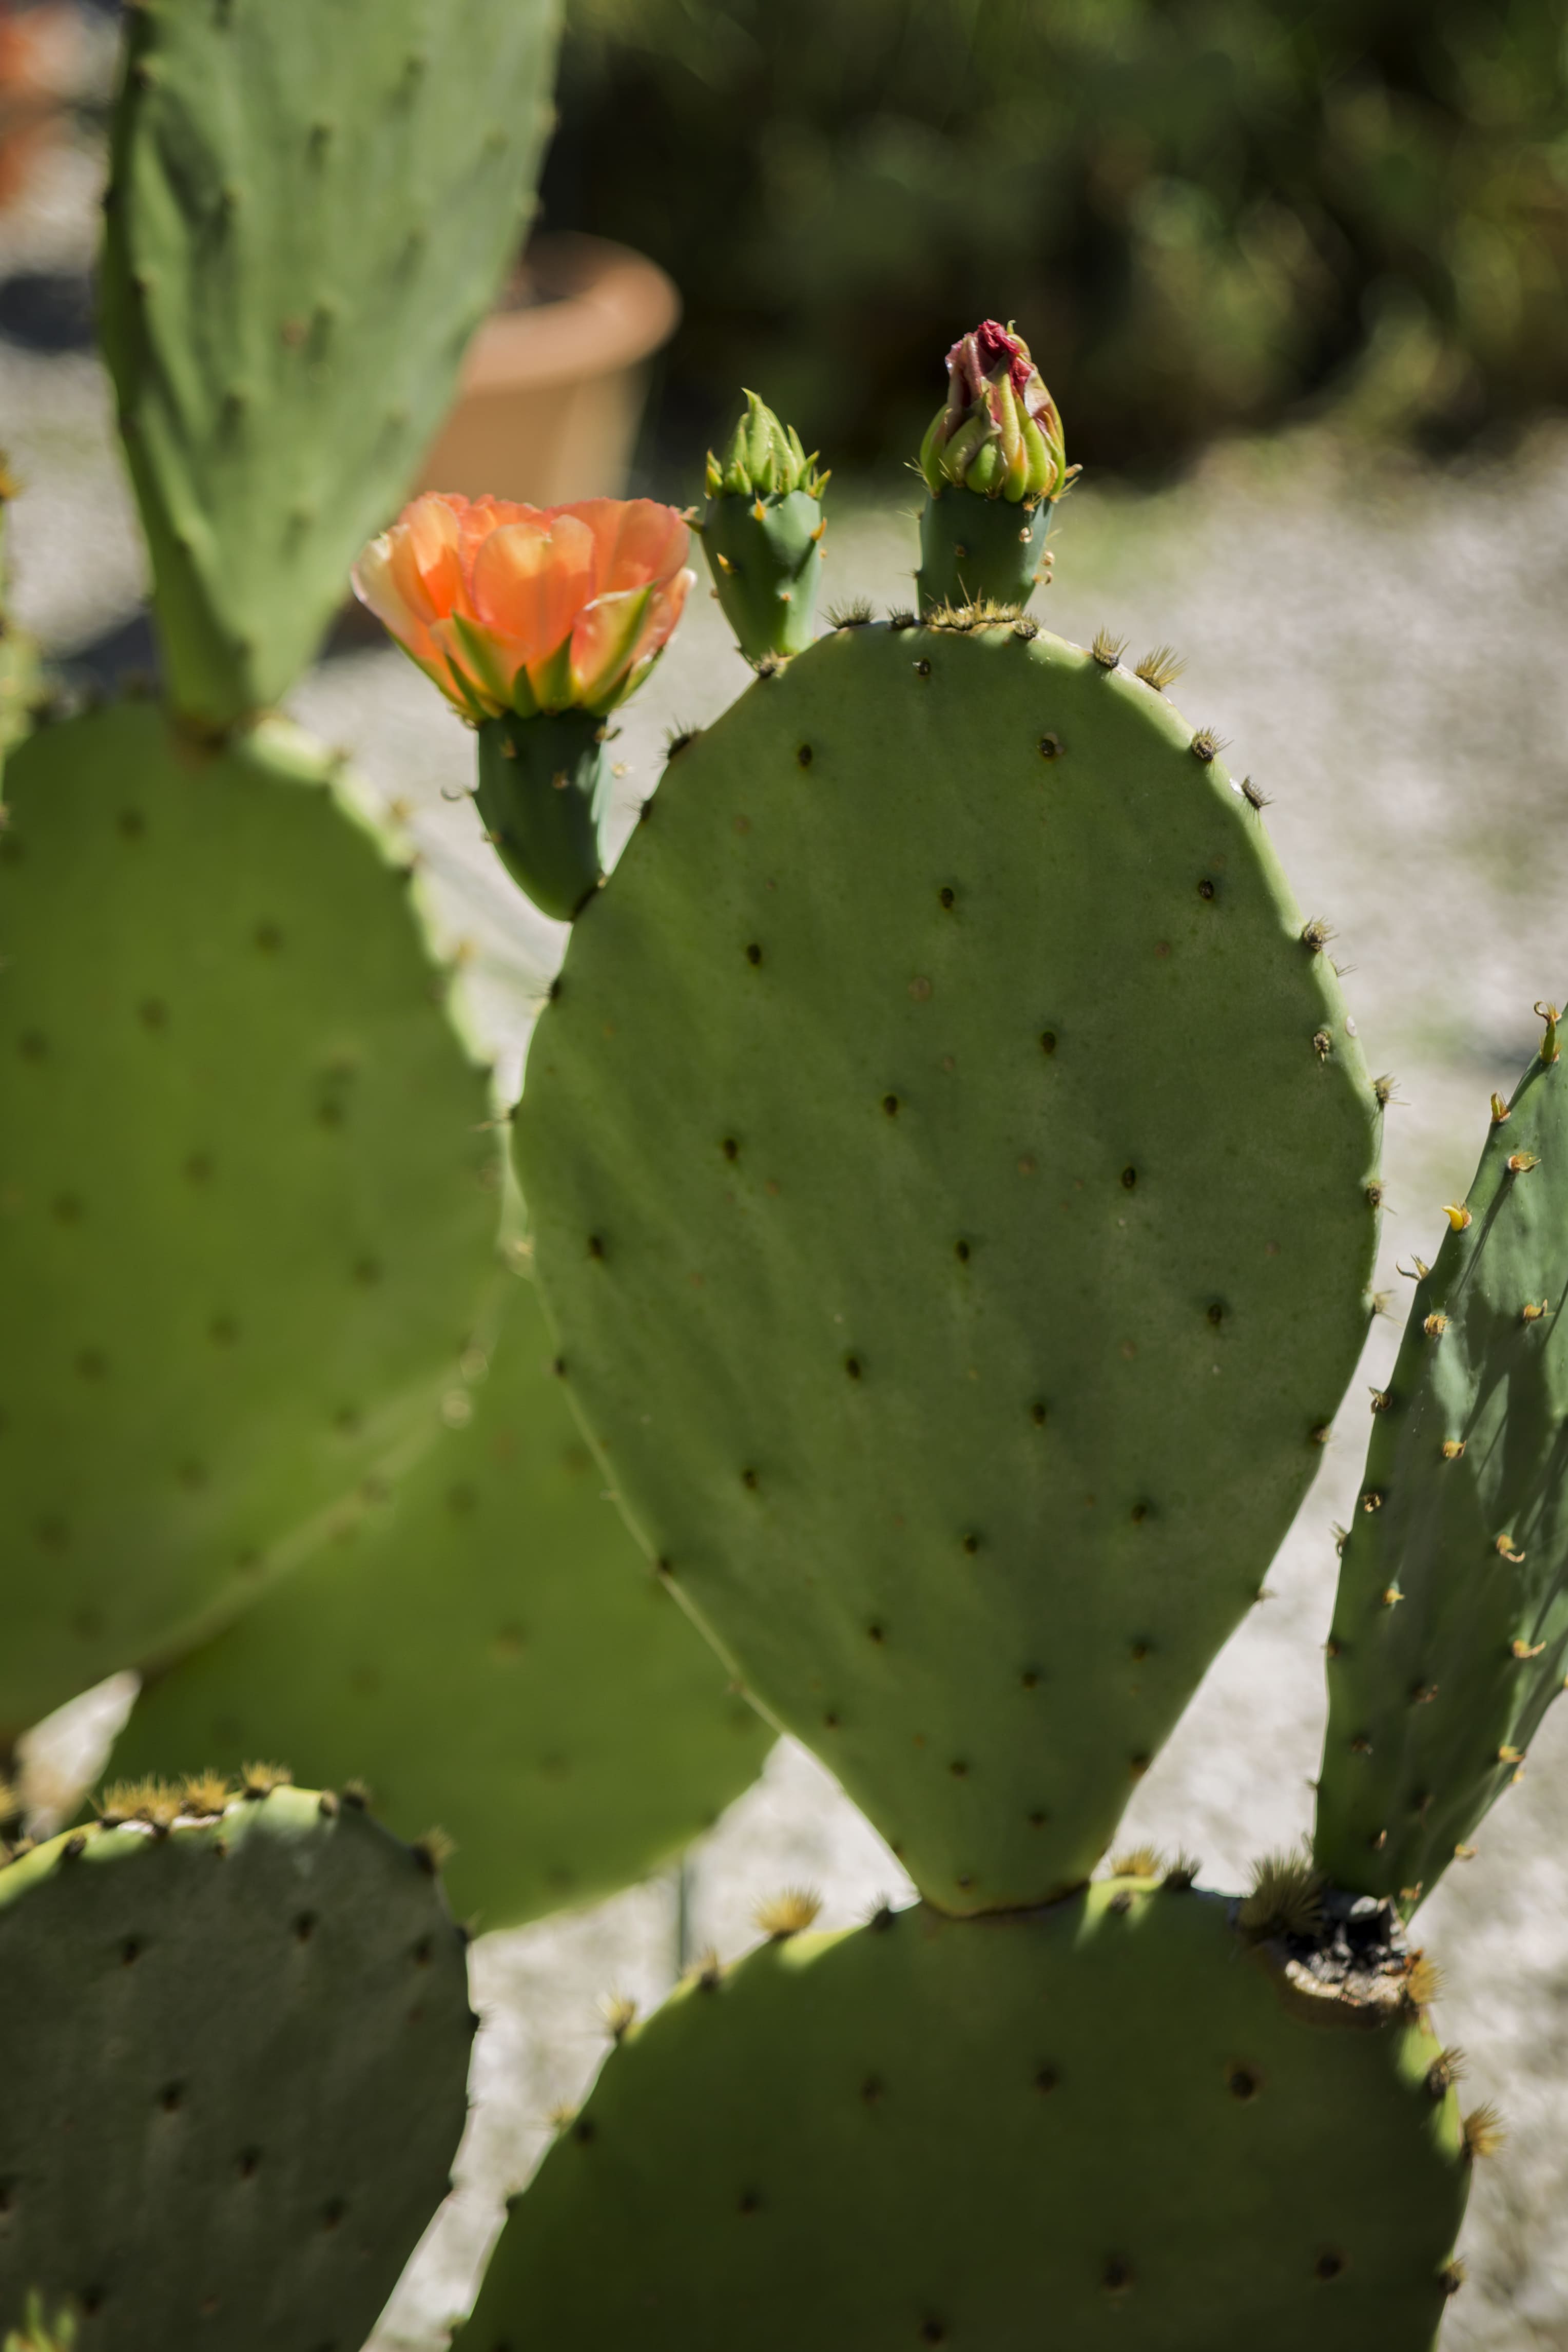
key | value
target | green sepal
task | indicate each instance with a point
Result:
(543, 786)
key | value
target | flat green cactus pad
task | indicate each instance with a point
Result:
(313, 202)
(248, 1210)
(1451, 1634)
(1112, 2123)
(235, 2060)
(494, 1657)
(950, 1172)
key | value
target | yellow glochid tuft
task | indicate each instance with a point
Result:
(434, 1851)
(1423, 1981)
(620, 2012)
(1160, 669)
(1287, 1898)
(258, 1781)
(206, 1792)
(1138, 1861)
(153, 1801)
(1108, 650)
(1484, 2132)
(788, 1912)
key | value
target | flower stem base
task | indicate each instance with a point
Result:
(973, 547)
(543, 786)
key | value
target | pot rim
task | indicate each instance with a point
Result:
(607, 307)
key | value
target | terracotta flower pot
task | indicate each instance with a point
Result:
(553, 385)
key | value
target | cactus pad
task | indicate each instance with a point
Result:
(235, 2057)
(496, 1658)
(311, 205)
(1113, 2121)
(1451, 1634)
(950, 1179)
(246, 1215)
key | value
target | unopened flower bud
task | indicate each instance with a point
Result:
(762, 526)
(998, 432)
(764, 459)
(997, 437)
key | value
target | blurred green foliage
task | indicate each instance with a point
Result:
(1204, 214)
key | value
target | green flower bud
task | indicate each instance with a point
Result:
(762, 532)
(997, 433)
(764, 459)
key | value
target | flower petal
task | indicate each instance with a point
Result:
(637, 540)
(527, 582)
(604, 642)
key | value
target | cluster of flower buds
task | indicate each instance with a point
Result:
(997, 433)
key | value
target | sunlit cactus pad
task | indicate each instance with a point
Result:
(311, 206)
(235, 2055)
(247, 1207)
(1112, 2123)
(490, 1652)
(1450, 1634)
(952, 1183)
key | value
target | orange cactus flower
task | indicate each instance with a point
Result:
(529, 609)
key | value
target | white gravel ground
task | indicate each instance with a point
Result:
(1383, 646)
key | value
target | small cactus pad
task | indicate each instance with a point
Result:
(311, 204)
(494, 1656)
(1112, 2123)
(950, 1176)
(1451, 1634)
(235, 2056)
(247, 1209)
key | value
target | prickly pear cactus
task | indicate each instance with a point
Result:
(1121, 2112)
(235, 2035)
(489, 1653)
(1450, 1634)
(311, 206)
(952, 1183)
(247, 1202)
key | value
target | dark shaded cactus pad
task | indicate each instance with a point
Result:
(1450, 1631)
(235, 2058)
(1112, 2123)
(490, 1652)
(313, 202)
(951, 1179)
(248, 1208)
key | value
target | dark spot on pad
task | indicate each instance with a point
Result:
(852, 1366)
(944, 896)
(803, 756)
(1046, 2079)
(1215, 1311)
(890, 1105)
(971, 1543)
(1242, 2083)
(730, 1148)
(961, 1251)
(1047, 1040)
(1129, 1178)
(754, 954)
(169, 2097)
(1050, 747)
(1205, 889)
(1329, 2265)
